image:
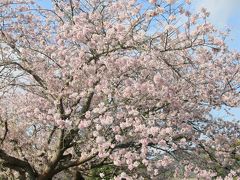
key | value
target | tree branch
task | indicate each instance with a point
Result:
(16, 164)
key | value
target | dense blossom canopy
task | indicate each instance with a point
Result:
(115, 89)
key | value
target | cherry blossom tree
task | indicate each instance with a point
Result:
(122, 89)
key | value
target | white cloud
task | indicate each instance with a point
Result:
(221, 10)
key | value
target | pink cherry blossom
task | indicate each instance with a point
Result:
(152, 1)
(115, 89)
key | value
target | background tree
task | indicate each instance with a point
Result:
(115, 89)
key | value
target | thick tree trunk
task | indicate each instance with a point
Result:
(78, 176)
(46, 176)
(22, 175)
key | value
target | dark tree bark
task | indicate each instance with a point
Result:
(78, 176)
(17, 164)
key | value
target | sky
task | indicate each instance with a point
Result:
(224, 13)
